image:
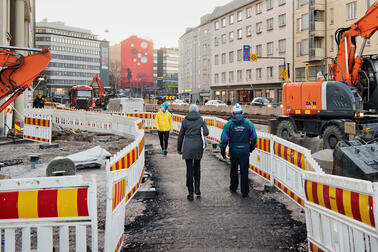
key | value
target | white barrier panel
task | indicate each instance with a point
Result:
(148, 119)
(261, 158)
(44, 204)
(340, 213)
(210, 122)
(8, 120)
(38, 128)
(124, 175)
(176, 123)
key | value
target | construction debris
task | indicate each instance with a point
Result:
(60, 166)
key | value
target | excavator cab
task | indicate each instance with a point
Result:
(368, 83)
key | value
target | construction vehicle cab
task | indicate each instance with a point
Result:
(81, 97)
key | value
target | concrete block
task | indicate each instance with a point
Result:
(149, 193)
(325, 160)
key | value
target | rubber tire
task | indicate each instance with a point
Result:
(330, 135)
(285, 130)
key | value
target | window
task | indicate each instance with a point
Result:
(282, 20)
(281, 2)
(240, 54)
(331, 39)
(258, 73)
(249, 12)
(299, 24)
(231, 19)
(259, 50)
(249, 74)
(240, 33)
(331, 16)
(223, 21)
(258, 8)
(216, 25)
(231, 36)
(305, 22)
(269, 72)
(282, 45)
(269, 4)
(304, 47)
(240, 75)
(249, 31)
(298, 48)
(231, 76)
(269, 24)
(224, 38)
(216, 41)
(301, 3)
(216, 78)
(216, 59)
(223, 58)
(223, 77)
(258, 27)
(351, 10)
(240, 16)
(269, 48)
(231, 57)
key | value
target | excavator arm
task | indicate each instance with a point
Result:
(102, 97)
(18, 72)
(346, 65)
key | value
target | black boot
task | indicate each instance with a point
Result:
(197, 188)
(190, 194)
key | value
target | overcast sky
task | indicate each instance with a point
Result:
(162, 21)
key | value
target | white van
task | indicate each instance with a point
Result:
(126, 105)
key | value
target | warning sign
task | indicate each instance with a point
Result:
(283, 76)
(253, 57)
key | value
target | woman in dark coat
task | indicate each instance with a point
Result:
(193, 130)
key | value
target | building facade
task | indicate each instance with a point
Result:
(166, 71)
(314, 37)
(104, 66)
(211, 55)
(75, 55)
(137, 64)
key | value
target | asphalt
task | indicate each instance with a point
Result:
(216, 221)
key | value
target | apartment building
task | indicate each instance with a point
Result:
(75, 56)
(211, 54)
(316, 22)
(166, 71)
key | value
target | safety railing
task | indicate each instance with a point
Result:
(44, 207)
(340, 212)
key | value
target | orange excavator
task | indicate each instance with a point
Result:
(101, 97)
(344, 106)
(18, 71)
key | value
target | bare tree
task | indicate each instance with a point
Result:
(115, 74)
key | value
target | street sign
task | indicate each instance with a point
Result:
(283, 76)
(253, 57)
(159, 78)
(246, 52)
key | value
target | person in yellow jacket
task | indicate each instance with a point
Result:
(163, 122)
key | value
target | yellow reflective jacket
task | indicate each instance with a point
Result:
(163, 121)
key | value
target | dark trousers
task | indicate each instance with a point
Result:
(163, 136)
(244, 181)
(193, 169)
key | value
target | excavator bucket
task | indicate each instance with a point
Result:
(18, 73)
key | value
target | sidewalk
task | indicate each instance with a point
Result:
(217, 221)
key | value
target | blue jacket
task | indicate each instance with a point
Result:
(240, 134)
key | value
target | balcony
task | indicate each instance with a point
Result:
(318, 4)
(317, 29)
(316, 54)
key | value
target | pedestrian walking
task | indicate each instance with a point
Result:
(38, 102)
(192, 135)
(240, 135)
(163, 122)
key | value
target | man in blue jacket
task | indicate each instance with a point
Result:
(240, 134)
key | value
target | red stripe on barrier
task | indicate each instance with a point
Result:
(326, 196)
(371, 211)
(315, 192)
(339, 201)
(47, 203)
(9, 205)
(82, 202)
(355, 205)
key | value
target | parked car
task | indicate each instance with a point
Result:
(215, 103)
(263, 101)
(178, 102)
